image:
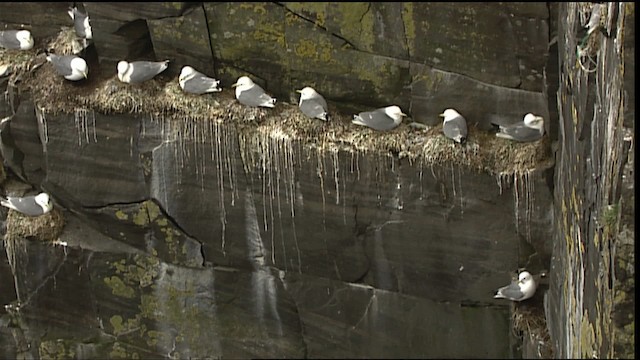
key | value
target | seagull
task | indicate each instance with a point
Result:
(16, 39)
(195, 82)
(313, 104)
(519, 290)
(530, 129)
(140, 71)
(72, 67)
(81, 23)
(32, 205)
(251, 94)
(382, 119)
(454, 126)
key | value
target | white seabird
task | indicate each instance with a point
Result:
(16, 39)
(251, 94)
(32, 205)
(140, 71)
(386, 118)
(81, 23)
(72, 67)
(530, 129)
(313, 104)
(454, 126)
(519, 290)
(195, 82)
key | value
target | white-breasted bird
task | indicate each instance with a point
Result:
(140, 71)
(382, 119)
(195, 82)
(71, 67)
(530, 129)
(522, 289)
(81, 23)
(454, 126)
(313, 104)
(32, 205)
(16, 39)
(251, 94)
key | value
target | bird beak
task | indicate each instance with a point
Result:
(299, 91)
(234, 85)
(403, 114)
(442, 115)
(85, 75)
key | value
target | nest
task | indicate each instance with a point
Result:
(531, 321)
(47, 227)
(104, 93)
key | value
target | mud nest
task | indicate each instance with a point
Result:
(47, 227)
(531, 322)
(104, 93)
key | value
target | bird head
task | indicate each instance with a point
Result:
(524, 276)
(25, 39)
(307, 93)
(243, 82)
(534, 121)
(185, 72)
(44, 201)
(80, 65)
(395, 113)
(449, 114)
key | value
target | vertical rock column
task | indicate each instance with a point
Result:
(590, 159)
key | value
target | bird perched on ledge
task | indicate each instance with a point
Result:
(530, 129)
(16, 39)
(32, 205)
(454, 126)
(195, 82)
(383, 119)
(140, 71)
(81, 23)
(313, 104)
(251, 94)
(71, 67)
(522, 289)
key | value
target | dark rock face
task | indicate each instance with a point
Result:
(358, 55)
(591, 158)
(181, 231)
(288, 223)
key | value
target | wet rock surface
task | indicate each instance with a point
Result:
(190, 219)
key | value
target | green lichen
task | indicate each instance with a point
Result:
(56, 349)
(356, 23)
(118, 351)
(119, 288)
(409, 26)
(120, 215)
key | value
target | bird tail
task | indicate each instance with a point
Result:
(71, 13)
(503, 136)
(498, 296)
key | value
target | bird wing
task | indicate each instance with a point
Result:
(8, 39)
(62, 64)
(455, 128)
(145, 70)
(256, 96)
(519, 132)
(200, 84)
(314, 108)
(511, 291)
(376, 119)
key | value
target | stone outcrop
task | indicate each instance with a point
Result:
(198, 228)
